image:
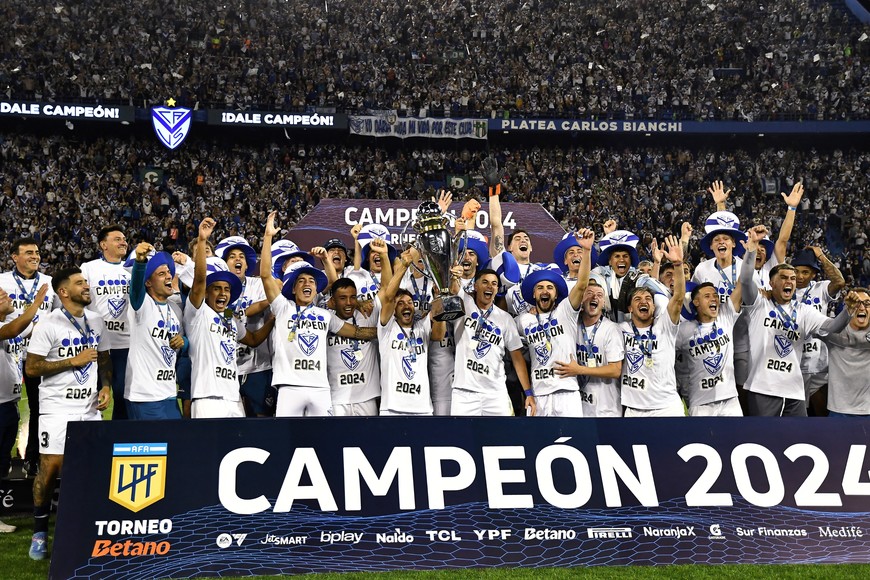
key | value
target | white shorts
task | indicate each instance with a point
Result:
(216, 409)
(472, 404)
(365, 409)
(727, 408)
(52, 430)
(560, 404)
(294, 401)
(675, 410)
(388, 413)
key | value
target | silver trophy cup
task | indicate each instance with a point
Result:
(439, 251)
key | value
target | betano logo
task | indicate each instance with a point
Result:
(138, 474)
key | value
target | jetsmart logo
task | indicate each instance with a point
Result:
(609, 533)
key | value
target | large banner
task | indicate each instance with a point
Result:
(695, 127)
(289, 496)
(67, 111)
(427, 127)
(277, 119)
(333, 218)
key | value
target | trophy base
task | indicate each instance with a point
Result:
(447, 308)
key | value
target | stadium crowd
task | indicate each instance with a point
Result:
(682, 59)
(651, 191)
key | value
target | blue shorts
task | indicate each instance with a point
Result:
(153, 410)
(259, 394)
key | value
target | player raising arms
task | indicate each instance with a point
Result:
(299, 344)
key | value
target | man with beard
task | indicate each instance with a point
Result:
(254, 364)
(214, 334)
(706, 347)
(22, 284)
(66, 350)
(12, 375)
(151, 387)
(483, 336)
(352, 364)
(110, 281)
(550, 331)
(567, 256)
(649, 387)
(617, 257)
(808, 263)
(301, 329)
(405, 344)
(600, 353)
(441, 353)
(849, 359)
(778, 328)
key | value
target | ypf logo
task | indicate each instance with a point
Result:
(138, 474)
(171, 125)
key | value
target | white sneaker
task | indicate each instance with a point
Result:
(6, 528)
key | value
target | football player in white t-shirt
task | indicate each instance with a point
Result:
(550, 329)
(600, 353)
(214, 334)
(352, 364)
(65, 349)
(299, 343)
(649, 384)
(255, 364)
(483, 336)
(156, 337)
(12, 373)
(110, 285)
(404, 344)
(22, 284)
(778, 328)
(707, 348)
(808, 263)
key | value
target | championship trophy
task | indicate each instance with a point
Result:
(439, 251)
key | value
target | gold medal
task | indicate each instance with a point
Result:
(292, 336)
(591, 363)
(649, 362)
(548, 347)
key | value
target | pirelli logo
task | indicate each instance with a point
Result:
(609, 533)
(138, 474)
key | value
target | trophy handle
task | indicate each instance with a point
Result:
(458, 241)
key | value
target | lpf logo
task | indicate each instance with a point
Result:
(171, 124)
(138, 474)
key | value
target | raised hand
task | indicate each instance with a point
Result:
(673, 250)
(206, 227)
(585, 237)
(142, 250)
(445, 198)
(609, 226)
(271, 230)
(686, 232)
(755, 235)
(378, 246)
(490, 171)
(355, 230)
(657, 254)
(794, 198)
(718, 192)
